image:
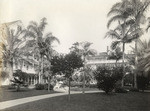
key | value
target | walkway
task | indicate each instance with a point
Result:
(11, 103)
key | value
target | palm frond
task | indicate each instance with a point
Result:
(114, 44)
(43, 23)
(112, 34)
(115, 18)
(115, 12)
(50, 39)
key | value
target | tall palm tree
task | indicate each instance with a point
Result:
(39, 43)
(85, 51)
(123, 35)
(143, 53)
(131, 13)
(11, 47)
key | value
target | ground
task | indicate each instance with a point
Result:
(131, 101)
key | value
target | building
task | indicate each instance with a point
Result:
(102, 60)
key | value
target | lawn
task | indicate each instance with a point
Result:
(131, 101)
(10, 94)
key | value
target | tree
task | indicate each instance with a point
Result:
(132, 14)
(129, 12)
(39, 44)
(123, 35)
(143, 53)
(66, 65)
(11, 47)
(83, 49)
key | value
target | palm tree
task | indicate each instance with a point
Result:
(39, 44)
(123, 35)
(85, 51)
(143, 53)
(11, 47)
(131, 13)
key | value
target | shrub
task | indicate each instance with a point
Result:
(107, 77)
(120, 90)
(39, 86)
(21, 75)
(134, 89)
(50, 87)
(142, 82)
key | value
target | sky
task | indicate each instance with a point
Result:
(69, 20)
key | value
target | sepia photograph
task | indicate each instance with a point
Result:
(74, 55)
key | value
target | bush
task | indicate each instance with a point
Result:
(134, 89)
(50, 87)
(120, 90)
(107, 77)
(142, 82)
(39, 86)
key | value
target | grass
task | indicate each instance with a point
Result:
(131, 101)
(10, 94)
(80, 89)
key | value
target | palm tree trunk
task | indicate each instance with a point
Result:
(136, 62)
(83, 89)
(123, 49)
(49, 83)
(69, 90)
(42, 68)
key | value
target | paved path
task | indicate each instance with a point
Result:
(11, 103)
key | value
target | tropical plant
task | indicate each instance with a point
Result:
(39, 44)
(11, 47)
(143, 54)
(83, 49)
(130, 13)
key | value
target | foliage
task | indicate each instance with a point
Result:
(116, 54)
(66, 64)
(40, 44)
(11, 46)
(17, 83)
(120, 90)
(83, 49)
(50, 87)
(21, 75)
(107, 77)
(142, 82)
(132, 12)
(143, 56)
(4, 75)
(39, 86)
(43, 87)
